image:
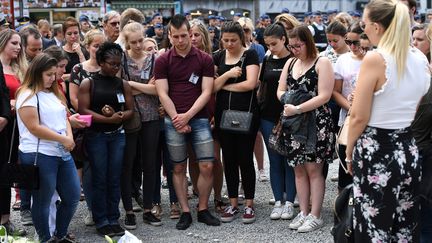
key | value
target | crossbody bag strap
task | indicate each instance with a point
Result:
(37, 148)
(12, 140)
(242, 58)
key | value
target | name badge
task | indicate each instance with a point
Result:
(145, 75)
(194, 78)
(120, 98)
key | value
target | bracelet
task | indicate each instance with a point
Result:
(348, 161)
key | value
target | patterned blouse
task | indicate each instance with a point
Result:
(78, 74)
(147, 105)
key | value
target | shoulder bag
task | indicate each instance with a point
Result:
(18, 175)
(134, 123)
(234, 120)
(343, 209)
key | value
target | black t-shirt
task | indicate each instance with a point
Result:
(271, 70)
(422, 124)
(239, 100)
(74, 59)
(106, 90)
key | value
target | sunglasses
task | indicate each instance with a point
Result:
(365, 49)
(363, 25)
(351, 42)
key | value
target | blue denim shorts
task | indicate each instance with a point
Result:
(200, 138)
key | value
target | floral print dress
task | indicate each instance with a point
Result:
(324, 125)
(386, 179)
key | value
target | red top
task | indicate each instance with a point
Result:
(13, 84)
(184, 75)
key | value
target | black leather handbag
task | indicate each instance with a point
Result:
(234, 120)
(343, 229)
(17, 175)
(237, 121)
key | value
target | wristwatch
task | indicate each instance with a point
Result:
(298, 109)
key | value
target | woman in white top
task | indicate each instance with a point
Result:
(45, 132)
(385, 166)
(346, 70)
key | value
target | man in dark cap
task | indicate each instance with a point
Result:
(188, 16)
(213, 23)
(156, 19)
(85, 24)
(159, 34)
(22, 21)
(285, 10)
(237, 16)
(264, 22)
(318, 31)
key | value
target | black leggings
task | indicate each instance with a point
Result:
(5, 192)
(237, 151)
(149, 140)
(130, 155)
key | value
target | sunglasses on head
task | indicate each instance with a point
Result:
(351, 42)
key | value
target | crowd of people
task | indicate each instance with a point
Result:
(158, 97)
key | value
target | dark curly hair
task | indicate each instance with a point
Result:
(107, 50)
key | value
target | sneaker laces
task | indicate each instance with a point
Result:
(249, 210)
(230, 210)
(288, 208)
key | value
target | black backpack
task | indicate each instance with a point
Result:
(343, 209)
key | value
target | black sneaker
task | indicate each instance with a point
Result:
(149, 218)
(204, 216)
(185, 221)
(117, 230)
(130, 222)
(105, 230)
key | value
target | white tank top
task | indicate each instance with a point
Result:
(395, 104)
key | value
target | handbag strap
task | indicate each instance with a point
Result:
(12, 140)
(229, 100)
(37, 148)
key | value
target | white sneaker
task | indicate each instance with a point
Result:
(288, 210)
(262, 176)
(88, 220)
(311, 223)
(277, 211)
(298, 221)
(272, 201)
(296, 202)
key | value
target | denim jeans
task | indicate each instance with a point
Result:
(200, 137)
(55, 174)
(282, 178)
(105, 152)
(87, 183)
(165, 161)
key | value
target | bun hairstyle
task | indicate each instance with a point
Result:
(394, 17)
(234, 27)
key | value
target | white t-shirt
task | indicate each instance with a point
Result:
(52, 115)
(346, 69)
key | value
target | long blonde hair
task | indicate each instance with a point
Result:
(33, 79)
(205, 37)
(19, 64)
(394, 17)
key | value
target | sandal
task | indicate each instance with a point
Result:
(219, 205)
(17, 205)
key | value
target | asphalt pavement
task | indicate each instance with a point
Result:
(263, 230)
